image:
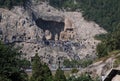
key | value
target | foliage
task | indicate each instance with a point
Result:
(2, 78)
(117, 62)
(110, 43)
(59, 75)
(47, 73)
(40, 71)
(10, 3)
(100, 36)
(84, 77)
(70, 64)
(85, 63)
(25, 63)
(66, 63)
(74, 70)
(11, 64)
(66, 4)
(103, 12)
(102, 50)
(77, 63)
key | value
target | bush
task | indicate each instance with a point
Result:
(84, 77)
(59, 75)
(4, 78)
(10, 3)
(85, 63)
(10, 64)
(116, 62)
(74, 70)
(77, 63)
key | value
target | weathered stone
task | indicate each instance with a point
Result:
(55, 33)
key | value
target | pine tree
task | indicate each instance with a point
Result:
(36, 69)
(10, 64)
(40, 71)
(47, 73)
(59, 75)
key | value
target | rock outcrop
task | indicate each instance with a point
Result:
(16, 26)
(103, 66)
(53, 34)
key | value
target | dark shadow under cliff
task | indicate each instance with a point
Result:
(53, 26)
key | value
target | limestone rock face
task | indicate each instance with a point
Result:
(44, 11)
(18, 27)
(103, 67)
(116, 78)
(54, 35)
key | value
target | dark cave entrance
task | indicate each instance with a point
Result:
(53, 26)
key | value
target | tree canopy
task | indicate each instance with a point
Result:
(11, 64)
(40, 71)
(59, 75)
(103, 12)
(110, 43)
(10, 3)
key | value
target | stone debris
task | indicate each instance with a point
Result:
(53, 34)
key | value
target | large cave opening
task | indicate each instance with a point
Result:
(53, 27)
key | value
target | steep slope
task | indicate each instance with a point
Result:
(54, 35)
(85, 32)
(103, 66)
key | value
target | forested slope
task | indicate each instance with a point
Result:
(106, 13)
(103, 12)
(10, 3)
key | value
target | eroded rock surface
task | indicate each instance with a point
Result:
(54, 35)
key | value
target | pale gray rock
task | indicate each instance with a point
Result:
(26, 28)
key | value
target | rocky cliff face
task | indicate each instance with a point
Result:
(54, 35)
(17, 26)
(103, 66)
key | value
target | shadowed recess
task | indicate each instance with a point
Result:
(53, 26)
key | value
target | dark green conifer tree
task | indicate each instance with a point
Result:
(40, 71)
(59, 75)
(11, 64)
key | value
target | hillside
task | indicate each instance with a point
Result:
(53, 34)
(102, 66)
(64, 33)
(103, 12)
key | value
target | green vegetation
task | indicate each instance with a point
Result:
(11, 64)
(76, 64)
(110, 43)
(103, 12)
(40, 71)
(83, 77)
(74, 70)
(10, 3)
(12, 67)
(63, 4)
(86, 62)
(117, 61)
(59, 75)
(101, 37)
(71, 64)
